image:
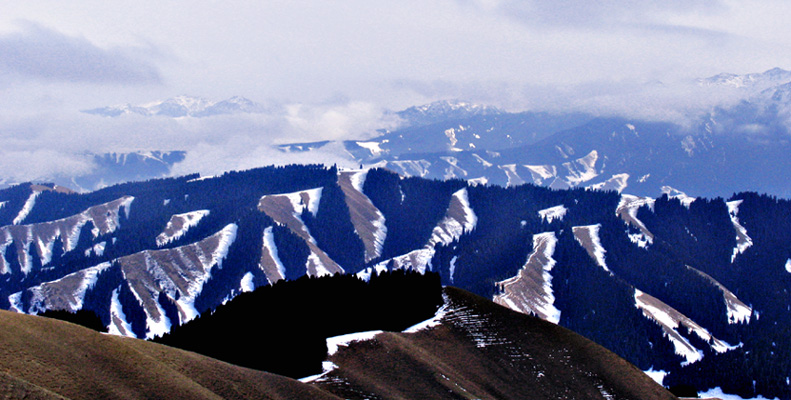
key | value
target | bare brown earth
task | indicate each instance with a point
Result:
(479, 351)
(42, 358)
(485, 351)
(363, 214)
(280, 209)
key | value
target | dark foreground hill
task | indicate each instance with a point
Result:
(473, 349)
(478, 350)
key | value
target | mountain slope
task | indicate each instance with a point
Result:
(472, 348)
(476, 349)
(50, 359)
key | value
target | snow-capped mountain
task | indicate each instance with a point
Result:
(183, 106)
(444, 110)
(619, 269)
(729, 149)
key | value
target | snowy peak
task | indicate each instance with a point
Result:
(444, 110)
(183, 106)
(772, 77)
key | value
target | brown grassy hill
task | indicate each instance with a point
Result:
(41, 358)
(484, 351)
(477, 350)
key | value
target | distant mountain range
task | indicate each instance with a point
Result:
(183, 106)
(691, 290)
(728, 149)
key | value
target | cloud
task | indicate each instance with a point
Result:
(36, 52)
(577, 14)
(41, 145)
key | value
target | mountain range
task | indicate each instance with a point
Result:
(726, 148)
(692, 290)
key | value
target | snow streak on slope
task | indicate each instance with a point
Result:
(671, 321)
(513, 177)
(738, 312)
(118, 322)
(540, 173)
(178, 225)
(270, 262)
(66, 293)
(582, 169)
(286, 209)
(179, 272)
(459, 219)
(588, 237)
(43, 236)
(550, 214)
(27, 208)
(530, 291)
(742, 240)
(368, 221)
(677, 194)
(617, 183)
(627, 211)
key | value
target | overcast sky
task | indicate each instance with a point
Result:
(336, 66)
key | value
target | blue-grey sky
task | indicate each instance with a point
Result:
(333, 67)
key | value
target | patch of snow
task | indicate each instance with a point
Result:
(743, 241)
(478, 181)
(540, 173)
(436, 320)
(165, 202)
(186, 220)
(15, 302)
(657, 376)
(483, 162)
(617, 183)
(719, 394)
(591, 233)
(418, 168)
(87, 278)
(202, 178)
(373, 147)
(26, 208)
(367, 272)
(118, 323)
(269, 244)
(550, 214)
(582, 169)
(627, 211)
(333, 343)
(524, 292)
(677, 194)
(315, 261)
(247, 284)
(452, 267)
(326, 366)
(513, 177)
(670, 320)
(452, 226)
